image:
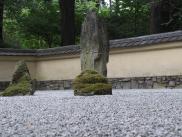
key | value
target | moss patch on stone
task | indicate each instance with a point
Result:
(91, 82)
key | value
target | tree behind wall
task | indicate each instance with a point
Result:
(166, 15)
(1, 23)
(67, 22)
(155, 17)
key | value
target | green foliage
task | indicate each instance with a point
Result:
(36, 23)
(42, 23)
(90, 77)
(128, 19)
(90, 82)
(96, 88)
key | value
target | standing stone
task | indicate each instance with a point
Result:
(94, 58)
(94, 44)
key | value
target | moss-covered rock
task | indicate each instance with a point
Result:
(91, 82)
(20, 70)
(21, 83)
(23, 87)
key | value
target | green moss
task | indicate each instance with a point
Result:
(90, 82)
(96, 87)
(23, 87)
(91, 77)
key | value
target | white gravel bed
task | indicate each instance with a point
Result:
(127, 113)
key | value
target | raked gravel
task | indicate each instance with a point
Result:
(127, 113)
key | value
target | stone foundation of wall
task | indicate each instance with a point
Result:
(117, 83)
(54, 85)
(147, 82)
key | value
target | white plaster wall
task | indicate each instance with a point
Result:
(7, 68)
(146, 63)
(59, 69)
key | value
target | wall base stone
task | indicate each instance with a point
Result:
(159, 82)
(54, 85)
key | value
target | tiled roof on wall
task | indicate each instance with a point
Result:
(119, 43)
(147, 40)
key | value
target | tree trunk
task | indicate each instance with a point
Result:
(67, 22)
(161, 16)
(155, 17)
(97, 3)
(110, 4)
(136, 17)
(117, 9)
(1, 23)
(167, 11)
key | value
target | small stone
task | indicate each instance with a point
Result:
(118, 85)
(163, 78)
(140, 81)
(148, 78)
(172, 84)
(177, 83)
(141, 85)
(126, 85)
(154, 79)
(149, 84)
(67, 84)
(134, 84)
(159, 79)
(126, 80)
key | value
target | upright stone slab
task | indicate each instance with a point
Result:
(94, 44)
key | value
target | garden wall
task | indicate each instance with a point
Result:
(154, 65)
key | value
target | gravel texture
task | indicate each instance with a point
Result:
(127, 113)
